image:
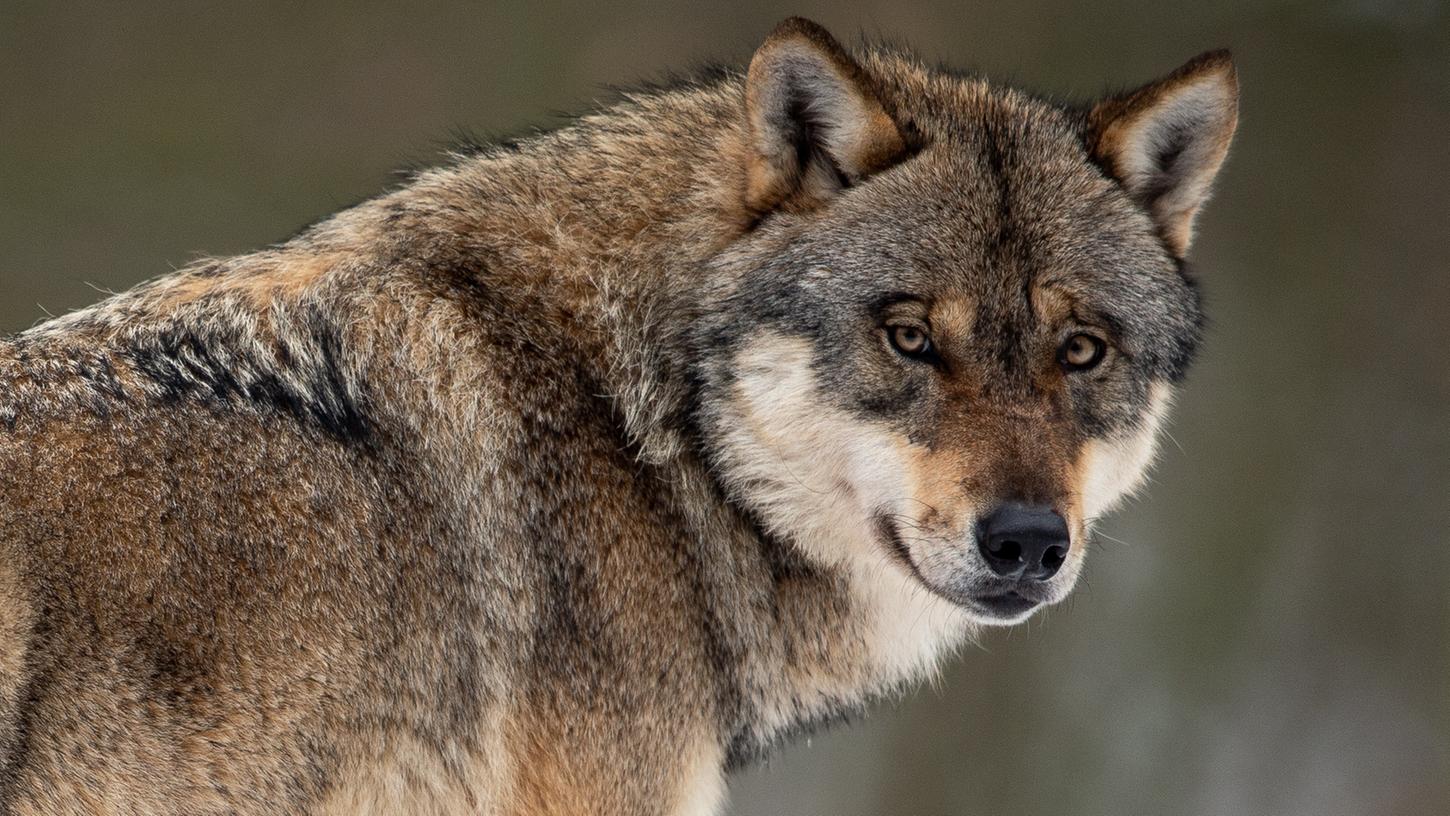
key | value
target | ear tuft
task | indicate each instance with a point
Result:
(814, 121)
(1166, 141)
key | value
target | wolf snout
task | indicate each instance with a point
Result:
(1023, 542)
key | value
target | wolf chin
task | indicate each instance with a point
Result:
(579, 471)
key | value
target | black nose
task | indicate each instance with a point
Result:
(1023, 541)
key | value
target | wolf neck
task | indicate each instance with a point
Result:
(604, 226)
(623, 254)
(633, 203)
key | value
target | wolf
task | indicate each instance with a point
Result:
(575, 473)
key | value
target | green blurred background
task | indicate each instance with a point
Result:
(1267, 631)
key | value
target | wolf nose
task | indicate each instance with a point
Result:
(1023, 541)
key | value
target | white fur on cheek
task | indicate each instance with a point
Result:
(1112, 469)
(818, 475)
(815, 474)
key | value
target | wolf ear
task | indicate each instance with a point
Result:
(1165, 141)
(814, 122)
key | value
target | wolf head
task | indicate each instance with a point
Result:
(948, 339)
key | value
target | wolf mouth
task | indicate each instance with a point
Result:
(1010, 604)
(890, 535)
(1002, 603)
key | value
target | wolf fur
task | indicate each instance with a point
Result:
(577, 472)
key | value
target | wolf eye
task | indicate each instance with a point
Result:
(910, 340)
(1081, 352)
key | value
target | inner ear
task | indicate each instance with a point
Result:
(1166, 141)
(815, 122)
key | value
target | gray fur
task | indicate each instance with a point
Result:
(433, 507)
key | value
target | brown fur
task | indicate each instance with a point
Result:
(444, 505)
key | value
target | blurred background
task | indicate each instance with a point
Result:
(1266, 631)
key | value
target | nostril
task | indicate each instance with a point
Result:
(1007, 550)
(1053, 558)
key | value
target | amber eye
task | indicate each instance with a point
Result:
(910, 340)
(1081, 352)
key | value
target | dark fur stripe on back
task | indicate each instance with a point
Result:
(299, 372)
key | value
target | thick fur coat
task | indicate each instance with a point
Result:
(576, 472)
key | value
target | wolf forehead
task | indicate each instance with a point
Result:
(999, 204)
